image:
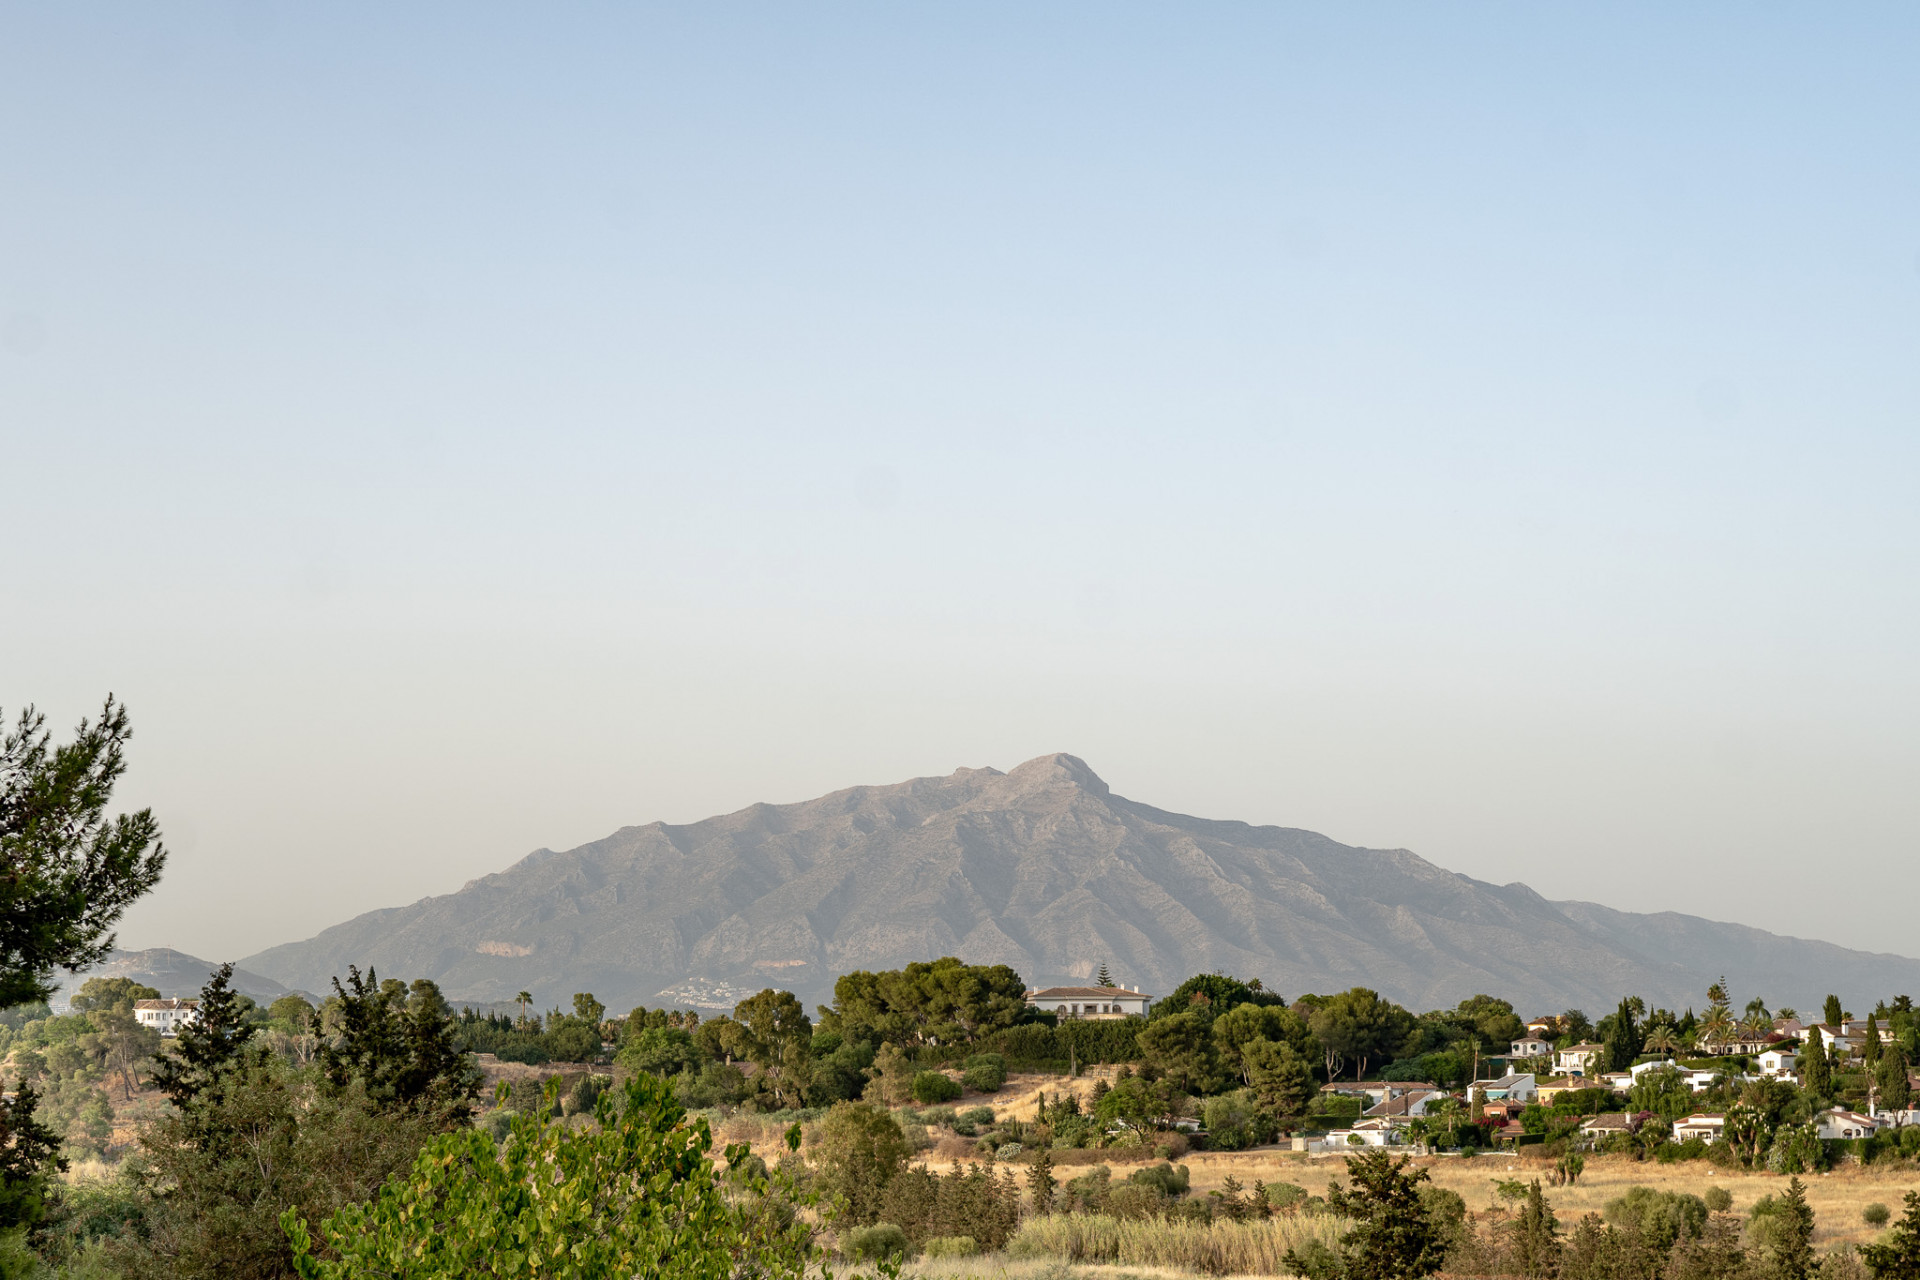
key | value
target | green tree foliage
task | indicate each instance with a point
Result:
(932, 1087)
(271, 1136)
(1622, 1038)
(1180, 1049)
(401, 1045)
(1211, 994)
(67, 872)
(1896, 1089)
(1243, 1024)
(1816, 1071)
(1791, 1243)
(1103, 978)
(660, 1051)
(1832, 1014)
(944, 1001)
(1897, 1256)
(631, 1194)
(1535, 1236)
(772, 1031)
(29, 1158)
(1358, 1026)
(210, 1047)
(985, 1073)
(970, 1202)
(1393, 1237)
(119, 1042)
(859, 1149)
(1281, 1078)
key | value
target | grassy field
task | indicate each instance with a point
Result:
(1837, 1197)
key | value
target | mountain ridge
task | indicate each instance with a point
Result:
(1043, 868)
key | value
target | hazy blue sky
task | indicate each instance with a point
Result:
(1489, 430)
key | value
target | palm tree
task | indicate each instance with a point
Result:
(1663, 1040)
(525, 998)
(1715, 1028)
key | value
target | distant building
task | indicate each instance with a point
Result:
(1090, 1002)
(1779, 1062)
(166, 1016)
(1837, 1123)
(1579, 1059)
(1530, 1046)
(1708, 1126)
(1513, 1087)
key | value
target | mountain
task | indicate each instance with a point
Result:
(1046, 870)
(172, 973)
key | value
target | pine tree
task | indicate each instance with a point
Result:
(1103, 978)
(210, 1046)
(1816, 1073)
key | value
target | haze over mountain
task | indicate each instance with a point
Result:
(1043, 869)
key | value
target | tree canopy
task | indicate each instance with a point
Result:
(67, 871)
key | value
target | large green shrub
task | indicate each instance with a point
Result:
(930, 1087)
(882, 1240)
(985, 1073)
(631, 1194)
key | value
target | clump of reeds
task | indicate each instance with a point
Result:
(1222, 1247)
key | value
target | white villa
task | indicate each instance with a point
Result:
(1775, 1063)
(1577, 1060)
(1090, 1002)
(165, 1016)
(1708, 1126)
(1837, 1122)
(1530, 1046)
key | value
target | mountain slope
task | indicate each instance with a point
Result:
(1047, 871)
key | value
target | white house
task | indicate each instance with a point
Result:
(1530, 1046)
(166, 1016)
(1577, 1060)
(1707, 1126)
(1836, 1123)
(1512, 1087)
(1775, 1063)
(1090, 1002)
(1378, 1091)
(1384, 1131)
(1606, 1125)
(1414, 1102)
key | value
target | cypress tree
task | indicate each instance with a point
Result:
(1793, 1243)
(1870, 1052)
(1040, 1182)
(1834, 1017)
(1815, 1071)
(1896, 1091)
(1623, 1038)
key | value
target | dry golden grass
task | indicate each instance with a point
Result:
(997, 1266)
(1217, 1248)
(1837, 1196)
(1019, 1098)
